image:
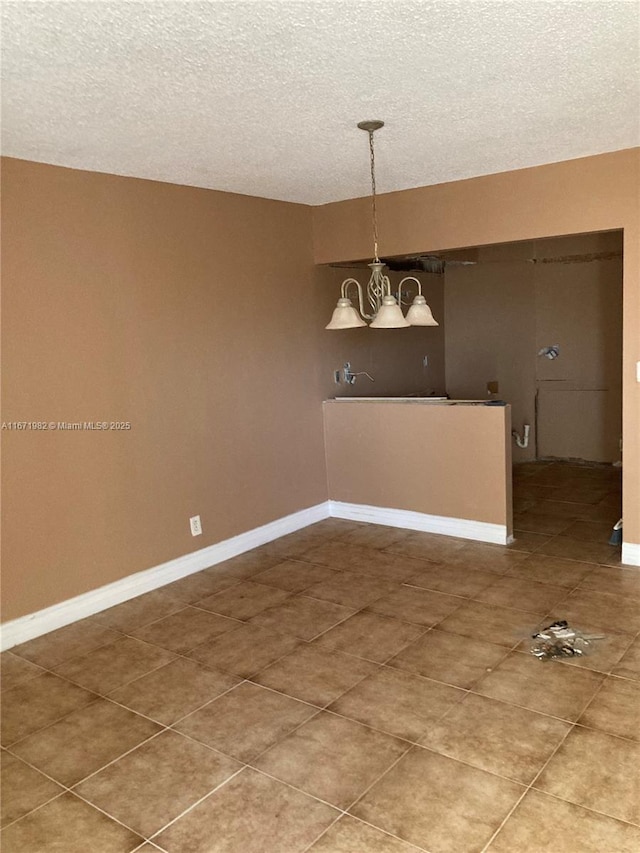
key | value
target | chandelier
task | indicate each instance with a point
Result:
(386, 311)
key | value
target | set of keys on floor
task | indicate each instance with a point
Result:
(560, 640)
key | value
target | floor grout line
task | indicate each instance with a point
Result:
(527, 789)
(186, 811)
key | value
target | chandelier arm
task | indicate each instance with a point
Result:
(343, 291)
(408, 278)
(378, 287)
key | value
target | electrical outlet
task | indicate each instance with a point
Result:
(196, 525)
(425, 361)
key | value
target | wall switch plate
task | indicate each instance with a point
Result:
(196, 525)
(336, 377)
(425, 361)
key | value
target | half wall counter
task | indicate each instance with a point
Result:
(441, 466)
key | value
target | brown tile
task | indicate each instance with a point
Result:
(615, 709)
(499, 625)
(629, 664)
(23, 789)
(334, 527)
(376, 536)
(369, 636)
(522, 594)
(536, 522)
(152, 785)
(313, 536)
(615, 581)
(38, 703)
(613, 498)
(412, 604)
(449, 658)
(502, 739)
(108, 667)
(396, 702)
(580, 494)
(170, 692)
(136, 612)
(66, 643)
(552, 570)
(349, 835)
(427, 546)
(542, 823)
(523, 504)
(84, 741)
(244, 651)
(243, 600)
(15, 670)
(303, 617)
(562, 509)
(545, 686)
(597, 771)
(613, 612)
(245, 565)
(365, 561)
(589, 531)
(489, 558)
(186, 629)
(455, 580)
(600, 512)
(313, 675)
(245, 721)
(588, 552)
(65, 824)
(525, 541)
(250, 814)
(295, 576)
(437, 803)
(331, 758)
(533, 491)
(199, 585)
(351, 590)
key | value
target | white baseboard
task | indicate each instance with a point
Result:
(42, 621)
(631, 553)
(58, 615)
(481, 531)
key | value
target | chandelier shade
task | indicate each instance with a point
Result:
(420, 314)
(389, 315)
(345, 316)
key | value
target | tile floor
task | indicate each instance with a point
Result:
(346, 689)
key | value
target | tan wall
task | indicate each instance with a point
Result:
(169, 307)
(599, 193)
(443, 460)
(197, 316)
(502, 311)
(491, 335)
(394, 357)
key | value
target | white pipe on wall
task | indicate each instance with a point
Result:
(524, 441)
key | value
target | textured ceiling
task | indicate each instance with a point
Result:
(262, 97)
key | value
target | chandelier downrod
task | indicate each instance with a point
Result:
(370, 127)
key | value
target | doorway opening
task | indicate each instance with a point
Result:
(538, 324)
